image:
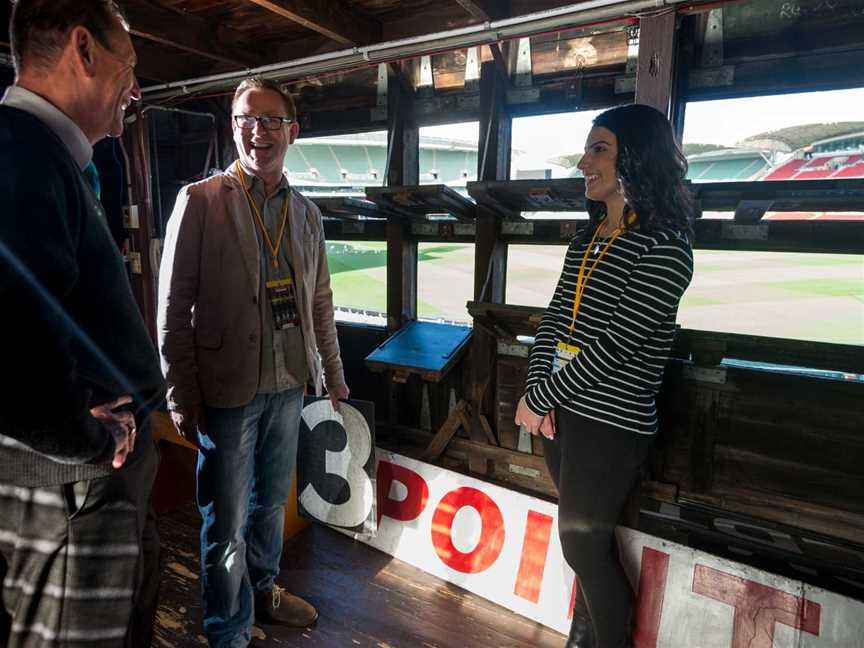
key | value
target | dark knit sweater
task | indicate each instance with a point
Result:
(71, 334)
(624, 328)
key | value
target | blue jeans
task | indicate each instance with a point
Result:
(245, 467)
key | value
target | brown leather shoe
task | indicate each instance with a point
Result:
(279, 607)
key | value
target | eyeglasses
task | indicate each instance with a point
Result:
(267, 122)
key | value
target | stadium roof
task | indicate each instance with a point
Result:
(693, 148)
(794, 137)
(725, 154)
(566, 161)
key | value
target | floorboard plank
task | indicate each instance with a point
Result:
(365, 598)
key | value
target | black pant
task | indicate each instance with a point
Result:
(595, 466)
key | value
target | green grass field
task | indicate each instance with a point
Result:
(800, 296)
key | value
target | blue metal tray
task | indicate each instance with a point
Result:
(426, 348)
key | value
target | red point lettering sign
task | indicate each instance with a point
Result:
(504, 546)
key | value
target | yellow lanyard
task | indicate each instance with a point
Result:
(582, 277)
(274, 249)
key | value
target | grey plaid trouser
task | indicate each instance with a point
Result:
(71, 559)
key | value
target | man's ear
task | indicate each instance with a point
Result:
(293, 131)
(84, 49)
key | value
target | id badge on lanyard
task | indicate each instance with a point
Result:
(283, 303)
(564, 353)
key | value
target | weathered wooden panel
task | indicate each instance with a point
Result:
(767, 435)
(510, 387)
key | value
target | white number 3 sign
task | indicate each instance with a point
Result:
(336, 464)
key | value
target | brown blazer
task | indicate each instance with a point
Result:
(208, 318)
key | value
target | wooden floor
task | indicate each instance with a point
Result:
(364, 597)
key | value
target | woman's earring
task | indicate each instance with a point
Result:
(620, 188)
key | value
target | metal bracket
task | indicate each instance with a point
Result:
(749, 212)
(516, 469)
(353, 227)
(130, 217)
(713, 375)
(523, 95)
(737, 232)
(425, 82)
(429, 106)
(523, 63)
(381, 85)
(134, 259)
(472, 69)
(424, 229)
(625, 84)
(517, 228)
(469, 103)
(712, 45)
(513, 350)
(716, 77)
(524, 444)
(632, 33)
(379, 112)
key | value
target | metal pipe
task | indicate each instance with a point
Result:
(552, 19)
(182, 111)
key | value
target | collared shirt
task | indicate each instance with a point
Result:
(67, 130)
(283, 354)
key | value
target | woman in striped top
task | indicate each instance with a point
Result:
(600, 351)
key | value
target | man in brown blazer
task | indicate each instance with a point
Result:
(245, 321)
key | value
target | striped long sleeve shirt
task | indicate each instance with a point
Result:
(624, 329)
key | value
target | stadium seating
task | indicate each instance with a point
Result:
(332, 164)
(719, 170)
(786, 171)
(854, 168)
(320, 157)
(820, 167)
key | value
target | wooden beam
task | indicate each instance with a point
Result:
(397, 73)
(160, 63)
(493, 159)
(445, 433)
(485, 9)
(191, 34)
(401, 274)
(500, 61)
(137, 143)
(490, 255)
(654, 69)
(403, 137)
(330, 18)
(403, 168)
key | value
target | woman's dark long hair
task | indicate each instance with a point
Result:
(651, 169)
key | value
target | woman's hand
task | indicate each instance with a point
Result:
(524, 416)
(547, 427)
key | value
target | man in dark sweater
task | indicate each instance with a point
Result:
(80, 373)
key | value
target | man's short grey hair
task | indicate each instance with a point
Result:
(257, 83)
(39, 28)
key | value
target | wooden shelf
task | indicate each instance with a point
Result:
(349, 208)
(418, 201)
(511, 198)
